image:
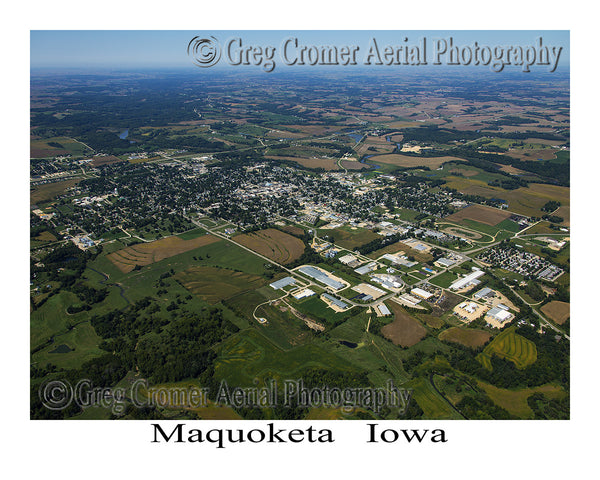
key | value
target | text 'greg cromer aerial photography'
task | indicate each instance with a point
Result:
(305, 225)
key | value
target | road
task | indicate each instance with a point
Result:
(543, 319)
(310, 282)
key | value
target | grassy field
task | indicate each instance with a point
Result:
(274, 244)
(49, 191)
(82, 342)
(557, 311)
(524, 200)
(433, 405)
(430, 320)
(515, 401)
(55, 146)
(51, 320)
(510, 346)
(249, 355)
(444, 279)
(214, 284)
(317, 309)
(349, 238)
(283, 328)
(468, 337)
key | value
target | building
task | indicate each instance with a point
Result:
(307, 292)
(470, 279)
(444, 262)
(410, 299)
(321, 276)
(366, 268)
(337, 302)
(284, 282)
(399, 260)
(419, 292)
(383, 309)
(348, 259)
(498, 317)
(484, 293)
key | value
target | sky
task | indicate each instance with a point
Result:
(122, 49)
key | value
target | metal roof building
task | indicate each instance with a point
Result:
(366, 268)
(484, 292)
(421, 293)
(463, 282)
(284, 282)
(499, 314)
(321, 277)
(335, 301)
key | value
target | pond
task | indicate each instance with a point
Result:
(62, 349)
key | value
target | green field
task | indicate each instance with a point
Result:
(348, 238)
(214, 284)
(51, 321)
(444, 279)
(317, 309)
(515, 401)
(510, 346)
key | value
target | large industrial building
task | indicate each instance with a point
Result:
(470, 279)
(321, 276)
(284, 282)
(498, 317)
(337, 302)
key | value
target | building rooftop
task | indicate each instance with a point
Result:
(284, 282)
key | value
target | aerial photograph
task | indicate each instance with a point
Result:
(299, 225)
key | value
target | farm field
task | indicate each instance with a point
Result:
(327, 164)
(350, 239)
(143, 254)
(510, 346)
(405, 330)
(54, 147)
(105, 160)
(214, 284)
(49, 191)
(274, 244)
(557, 311)
(524, 200)
(468, 337)
(479, 213)
(409, 161)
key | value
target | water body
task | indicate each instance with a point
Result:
(62, 349)
(124, 135)
(348, 344)
(118, 285)
(355, 136)
(374, 166)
